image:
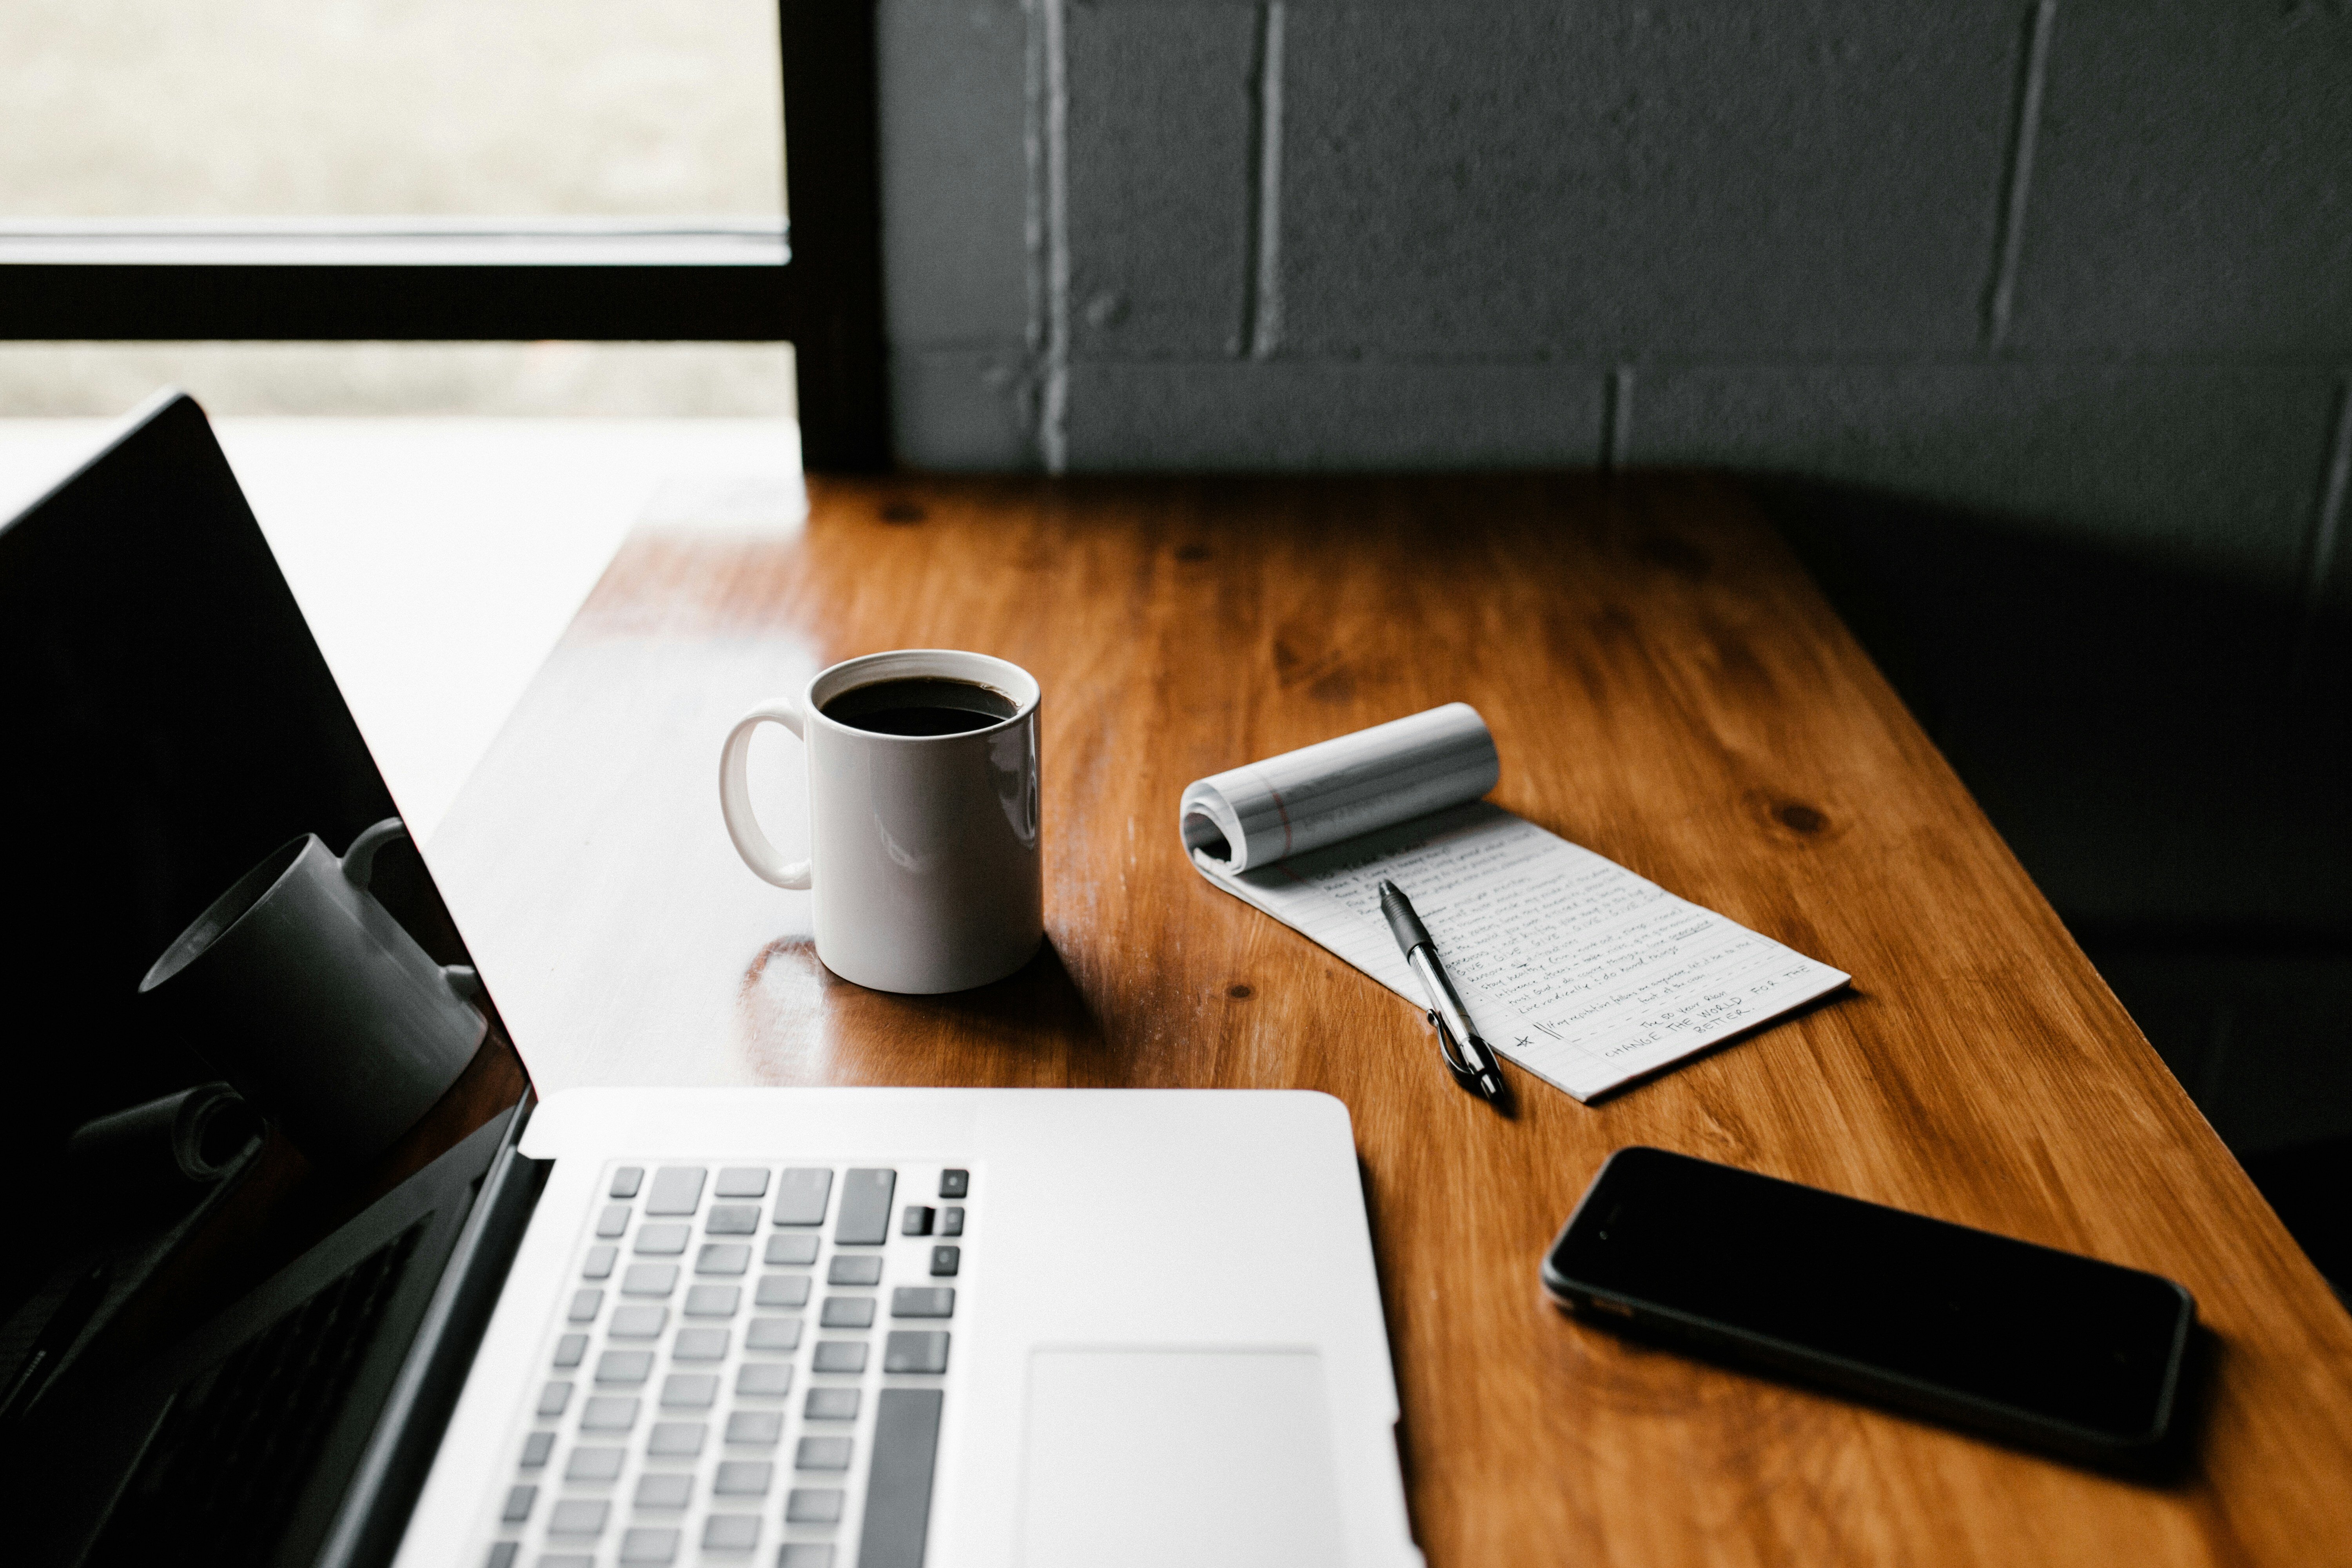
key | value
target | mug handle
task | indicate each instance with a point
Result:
(359, 861)
(735, 795)
(358, 865)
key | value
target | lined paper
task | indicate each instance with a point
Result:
(1572, 966)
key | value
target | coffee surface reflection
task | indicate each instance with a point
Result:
(921, 705)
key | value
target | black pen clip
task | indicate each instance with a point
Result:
(1451, 1050)
(1490, 1085)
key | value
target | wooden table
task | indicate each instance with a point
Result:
(1666, 687)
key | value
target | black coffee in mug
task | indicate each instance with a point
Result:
(921, 705)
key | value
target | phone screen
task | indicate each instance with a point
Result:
(1876, 1299)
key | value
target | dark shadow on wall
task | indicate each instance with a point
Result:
(2170, 756)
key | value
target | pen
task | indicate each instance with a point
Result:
(1473, 1060)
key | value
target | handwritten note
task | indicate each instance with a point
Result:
(1572, 966)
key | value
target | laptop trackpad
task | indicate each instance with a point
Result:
(1145, 1457)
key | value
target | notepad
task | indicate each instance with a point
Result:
(1572, 966)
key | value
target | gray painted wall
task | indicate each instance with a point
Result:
(2045, 307)
(2086, 263)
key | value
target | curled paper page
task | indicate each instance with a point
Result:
(1262, 812)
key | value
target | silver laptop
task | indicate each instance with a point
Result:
(807, 1328)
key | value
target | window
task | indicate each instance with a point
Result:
(445, 170)
(127, 109)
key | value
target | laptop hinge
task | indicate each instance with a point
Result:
(408, 1433)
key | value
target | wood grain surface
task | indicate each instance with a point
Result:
(1667, 688)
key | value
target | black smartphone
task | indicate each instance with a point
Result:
(2042, 1348)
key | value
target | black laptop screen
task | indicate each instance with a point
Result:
(169, 724)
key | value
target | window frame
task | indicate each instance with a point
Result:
(815, 283)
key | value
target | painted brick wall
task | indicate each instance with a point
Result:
(2032, 317)
(2086, 263)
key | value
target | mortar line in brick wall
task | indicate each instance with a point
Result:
(1033, 167)
(1616, 417)
(1053, 413)
(2326, 531)
(2009, 220)
(1261, 314)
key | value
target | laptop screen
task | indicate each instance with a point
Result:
(170, 726)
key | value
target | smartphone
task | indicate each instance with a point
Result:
(2042, 1348)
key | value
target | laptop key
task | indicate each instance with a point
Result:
(624, 1367)
(649, 1279)
(503, 1554)
(665, 1489)
(536, 1448)
(722, 1257)
(801, 1197)
(864, 1218)
(788, 1251)
(813, 1505)
(916, 1221)
(569, 1348)
(664, 1240)
(952, 1222)
(783, 1291)
(772, 1334)
(609, 1413)
(916, 1350)
(742, 1182)
(585, 1305)
(676, 1440)
(678, 1189)
(744, 1477)
(599, 1264)
(732, 1219)
(643, 1320)
(599, 1464)
(731, 1532)
(806, 1554)
(713, 1300)
(840, 1355)
(519, 1502)
(699, 1345)
(625, 1180)
(649, 1546)
(613, 1221)
(832, 1405)
(822, 1453)
(923, 1302)
(763, 1379)
(954, 1183)
(854, 1270)
(847, 1312)
(764, 1429)
(689, 1391)
(579, 1515)
(553, 1398)
(899, 1478)
(945, 1261)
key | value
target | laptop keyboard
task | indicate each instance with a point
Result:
(749, 1366)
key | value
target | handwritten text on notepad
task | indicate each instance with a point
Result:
(1572, 965)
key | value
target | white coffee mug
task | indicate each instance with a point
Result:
(923, 852)
(319, 1005)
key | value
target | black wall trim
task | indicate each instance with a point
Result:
(198, 302)
(833, 171)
